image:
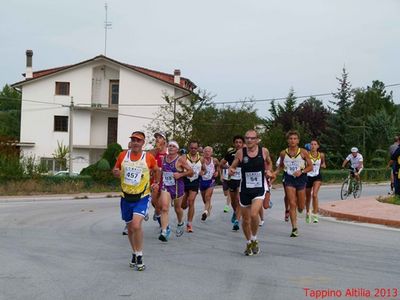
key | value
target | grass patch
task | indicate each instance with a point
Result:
(392, 199)
(42, 186)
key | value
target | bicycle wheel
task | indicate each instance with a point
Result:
(357, 189)
(344, 192)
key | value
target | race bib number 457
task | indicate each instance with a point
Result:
(133, 175)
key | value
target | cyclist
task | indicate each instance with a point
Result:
(356, 163)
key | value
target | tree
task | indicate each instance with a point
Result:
(216, 127)
(10, 112)
(343, 95)
(372, 99)
(338, 123)
(312, 115)
(284, 115)
(176, 116)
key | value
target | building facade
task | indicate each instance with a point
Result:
(101, 99)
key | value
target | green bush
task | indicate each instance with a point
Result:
(111, 153)
(103, 165)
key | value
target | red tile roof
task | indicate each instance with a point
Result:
(185, 83)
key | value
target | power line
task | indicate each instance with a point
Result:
(215, 103)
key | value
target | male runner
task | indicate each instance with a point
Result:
(296, 163)
(256, 167)
(209, 172)
(195, 161)
(234, 180)
(174, 168)
(133, 167)
(159, 152)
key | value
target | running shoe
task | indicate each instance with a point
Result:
(179, 229)
(287, 216)
(233, 218)
(315, 219)
(308, 218)
(164, 235)
(189, 228)
(270, 204)
(140, 266)
(248, 251)
(294, 233)
(261, 223)
(226, 208)
(125, 231)
(235, 225)
(204, 216)
(132, 263)
(255, 249)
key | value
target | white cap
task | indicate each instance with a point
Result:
(354, 149)
(173, 143)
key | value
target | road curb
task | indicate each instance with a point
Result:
(364, 210)
(55, 197)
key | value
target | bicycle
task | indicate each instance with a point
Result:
(351, 186)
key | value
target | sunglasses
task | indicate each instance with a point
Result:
(250, 137)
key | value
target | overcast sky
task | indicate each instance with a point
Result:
(234, 49)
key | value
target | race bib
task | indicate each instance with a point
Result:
(225, 174)
(238, 174)
(168, 178)
(208, 175)
(315, 169)
(293, 167)
(196, 171)
(253, 180)
(133, 175)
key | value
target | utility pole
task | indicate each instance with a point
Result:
(107, 25)
(174, 127)
(71, 113)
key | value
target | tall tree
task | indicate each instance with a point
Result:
(176, 116)
(216, 127)
(312, 115)
(367, 101)
(10, 112)
(285, 114)
(339, 138)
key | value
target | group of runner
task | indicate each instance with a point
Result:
(165, 177)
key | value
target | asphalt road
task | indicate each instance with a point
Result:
(73, 249)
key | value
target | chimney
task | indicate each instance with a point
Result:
(29, 73)
(177, 76)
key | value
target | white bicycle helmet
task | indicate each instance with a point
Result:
(354, 149)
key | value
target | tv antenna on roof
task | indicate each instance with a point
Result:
(107, 25)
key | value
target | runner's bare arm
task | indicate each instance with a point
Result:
(188, 171)
(236, 161)
(281, 163)
(323, 161)
(267, 163)
(306, 157)
(223, 164)
(157, 177)
(216, 168)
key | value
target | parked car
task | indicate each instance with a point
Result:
(65, 173)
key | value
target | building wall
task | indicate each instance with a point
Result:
(139, 89)
(89, 84)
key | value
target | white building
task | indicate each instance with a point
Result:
(104, 92)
